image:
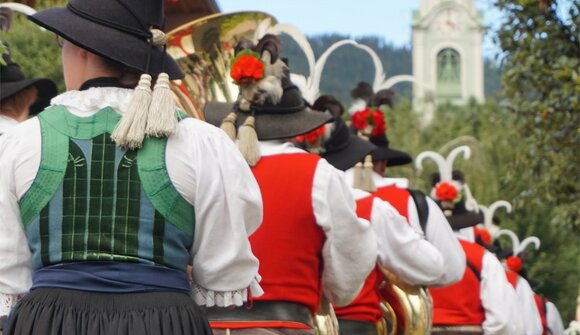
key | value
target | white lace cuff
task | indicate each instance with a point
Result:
(210, 298)
(7, 301)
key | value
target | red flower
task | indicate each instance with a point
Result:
(514, 263)
(312, 136)
(247, 67)
(360, 120)
(446, 191)
(374, 118)
(483, 234)
(379, 123)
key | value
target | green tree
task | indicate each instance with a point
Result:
(541, 86)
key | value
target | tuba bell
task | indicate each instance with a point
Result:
(407, 309)
(204, 50)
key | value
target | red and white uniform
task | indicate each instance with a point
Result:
(401, 250)
(476, 302)
(310, 241)
(526, 303)
(438, 232)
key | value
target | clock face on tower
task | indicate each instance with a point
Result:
(448, 21)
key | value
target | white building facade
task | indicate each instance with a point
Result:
(447, 51)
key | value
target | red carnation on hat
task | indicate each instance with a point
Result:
(446, 191)
(312, 136)
(483, 234)
(514, 263)
(247, 67)
(379, 122)
(361, 120)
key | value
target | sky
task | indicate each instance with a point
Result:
(354, 18)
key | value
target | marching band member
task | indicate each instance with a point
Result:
(101, 231)
(479, 303)
(421, 212)
(310, 242)
(401, 249)
(529, 303)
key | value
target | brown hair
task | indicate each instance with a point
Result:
(19, 103)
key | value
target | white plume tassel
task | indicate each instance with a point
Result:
(229, 125)
(367, 180)
(130, 131)
(248, 141)
(161, 119)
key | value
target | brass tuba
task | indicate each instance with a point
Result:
(204, 50)
(407, 309)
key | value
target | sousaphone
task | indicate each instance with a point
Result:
(407, 309)
(204, 50)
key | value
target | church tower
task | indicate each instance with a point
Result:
(447, 56)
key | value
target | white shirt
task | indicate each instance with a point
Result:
(439, 232)
(402, 250)
(495, 293)
(528, 309)
(554, 319)
(206, 169)
(6, 123)
(350, 250)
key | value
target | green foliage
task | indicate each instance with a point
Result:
(34, 50)
(541, 86)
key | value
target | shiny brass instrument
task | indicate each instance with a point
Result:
(407, 309)
(204, 50)
(325, 321)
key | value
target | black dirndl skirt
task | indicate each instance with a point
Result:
(49, 311)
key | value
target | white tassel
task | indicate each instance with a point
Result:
(367, 175)
(130, 131)
(248, 141)
(161, 119)
(229, 125)
(358, 176)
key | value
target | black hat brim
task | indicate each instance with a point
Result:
(110, 43)
(270, 126)
(464, 220)
(354, 152)
(392, 156)
(45, 87)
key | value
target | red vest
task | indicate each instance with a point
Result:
(365, 307)
(396, 196)
(460, 303)
(288, 242)
(541, 304)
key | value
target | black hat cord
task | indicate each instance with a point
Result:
(150, 113)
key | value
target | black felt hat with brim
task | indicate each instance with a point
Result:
(459, 217)
(13, 81)
(343, 149)
(118, 30)
(288, 118)
(384, 152)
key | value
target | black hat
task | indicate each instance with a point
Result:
(383, 152)
(342, 149)
(12, 81)
(118, 30)
(364, 91)
(288, 118)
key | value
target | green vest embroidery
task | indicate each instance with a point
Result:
(93, 201)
